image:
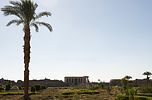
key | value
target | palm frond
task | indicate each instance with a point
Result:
(46, 25)
(36, 27)
(42, 14)
(25, 11)
(18, 22)
(11, 10)
(15, 3)
(28, 8)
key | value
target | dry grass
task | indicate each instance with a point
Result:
(57, 94)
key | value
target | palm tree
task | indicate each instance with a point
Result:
(147, 74)
(125, 82)
(24, 10)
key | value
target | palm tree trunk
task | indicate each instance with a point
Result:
(26, 60)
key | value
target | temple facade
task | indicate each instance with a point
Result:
(77, 80)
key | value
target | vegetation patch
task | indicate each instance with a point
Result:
(91, 92)
(13, 93)
(80, 91)
(68, 93)
(145, 94)
(125, 97)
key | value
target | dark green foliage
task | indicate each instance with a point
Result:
(7, 87)
(20, 88)
(102, 85)
(1, 88)
(33, 89)
(43, 87)
(88, 92)
(25, 11)
(37, 87)
(68, 93)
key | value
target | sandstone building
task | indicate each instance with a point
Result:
(74, 81)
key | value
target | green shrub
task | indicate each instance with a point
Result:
(102, 85)
(20, 88)
(95, 87)
(37, 87)
(43, 87)
(122, 97)
(7, 86)
(33, 89)
(1, 88)
(132, 91)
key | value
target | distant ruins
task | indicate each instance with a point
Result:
(44, 82)
(135, 83)
(77, 81)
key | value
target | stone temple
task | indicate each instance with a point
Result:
(76, 81)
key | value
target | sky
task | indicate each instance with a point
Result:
(102, 39)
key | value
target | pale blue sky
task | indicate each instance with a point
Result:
(104, 39)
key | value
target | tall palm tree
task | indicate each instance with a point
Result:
(147, 74)
(24, 10)
(125, 82)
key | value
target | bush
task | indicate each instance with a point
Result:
(20, 88)
(43, 87)
(37, 87)
(1, 88)
(7, 86)
(122, 97)
(33, 89)
(132, 91)
(95, 87)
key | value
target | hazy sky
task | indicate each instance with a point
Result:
(102, 39)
